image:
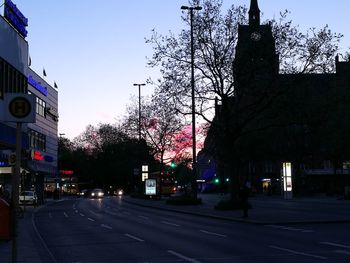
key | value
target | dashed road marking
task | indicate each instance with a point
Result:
(65, 214)
(143, 217)
(335, 244)
(82, 214)
(106, 226)
(133, 237)
(212, 233)
(290, 228)
(297, 252)
(183, 257)
(169, 223)
(93, 220)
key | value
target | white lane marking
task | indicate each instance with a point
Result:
(143, 217)
(76, 211)
(274, 226)
(183, 257)
(297, 252)
(82, 214)
(93, 220)
(212, 233)
(169, 223)
(65, 214)
(126, 213)
(111, 213)
(41, 239)
(290, 228)
(293, 229)
(133, 237)
(92, 212)
(342, 252)
(334, 244)
(106, 226)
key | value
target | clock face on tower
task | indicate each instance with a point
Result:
(255, 36)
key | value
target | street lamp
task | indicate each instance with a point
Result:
(194, 183)
(139, 84)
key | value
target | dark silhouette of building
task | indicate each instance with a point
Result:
(302, 118)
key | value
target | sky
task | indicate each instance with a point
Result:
(95, 50)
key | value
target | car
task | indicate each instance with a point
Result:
(28, 197)
(97, 193)
(84, 193)
(119, 192)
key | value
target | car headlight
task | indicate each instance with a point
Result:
(92, 194)
(100, 194)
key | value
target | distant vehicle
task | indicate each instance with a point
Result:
(119, 192)
(84, 193)
(28, 197)
(97, 193)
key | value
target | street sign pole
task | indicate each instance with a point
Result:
(15, 190)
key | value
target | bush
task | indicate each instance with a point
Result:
(230, 205)
(184, 200)
(143, 196)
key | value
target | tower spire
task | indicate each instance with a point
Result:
(254, 13)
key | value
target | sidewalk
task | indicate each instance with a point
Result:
(265, 209)
(29, 246)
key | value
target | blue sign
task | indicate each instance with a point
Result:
(37, 86)
(16, 18)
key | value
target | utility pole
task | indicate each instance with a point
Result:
(194, 148)
(139, 85)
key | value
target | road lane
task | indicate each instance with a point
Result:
(114, 231)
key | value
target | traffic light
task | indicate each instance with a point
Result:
(216, 180)
(172, 164)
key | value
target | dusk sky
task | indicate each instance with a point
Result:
(95, 50)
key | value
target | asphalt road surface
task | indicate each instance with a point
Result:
(112, 230)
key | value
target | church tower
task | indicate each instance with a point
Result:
(256, 62)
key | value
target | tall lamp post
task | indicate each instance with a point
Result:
(139, 84)
(59, 165)
(194, 161)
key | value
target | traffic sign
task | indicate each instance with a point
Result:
(18, 107)
(12, 159)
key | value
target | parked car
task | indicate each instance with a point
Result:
(28, 197)
(97, 193)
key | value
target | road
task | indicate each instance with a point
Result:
(112, 230)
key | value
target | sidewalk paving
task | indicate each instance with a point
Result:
(265, 209)
(26, 249)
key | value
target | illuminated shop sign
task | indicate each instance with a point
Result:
(37, 85)
(67, 172)
(16, 18)
(37, 156)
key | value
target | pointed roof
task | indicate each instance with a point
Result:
(254, 13)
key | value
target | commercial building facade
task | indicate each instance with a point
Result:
(39, 140)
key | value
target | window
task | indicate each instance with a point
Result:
(11, 80)
(40, 106)
(37, 140)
